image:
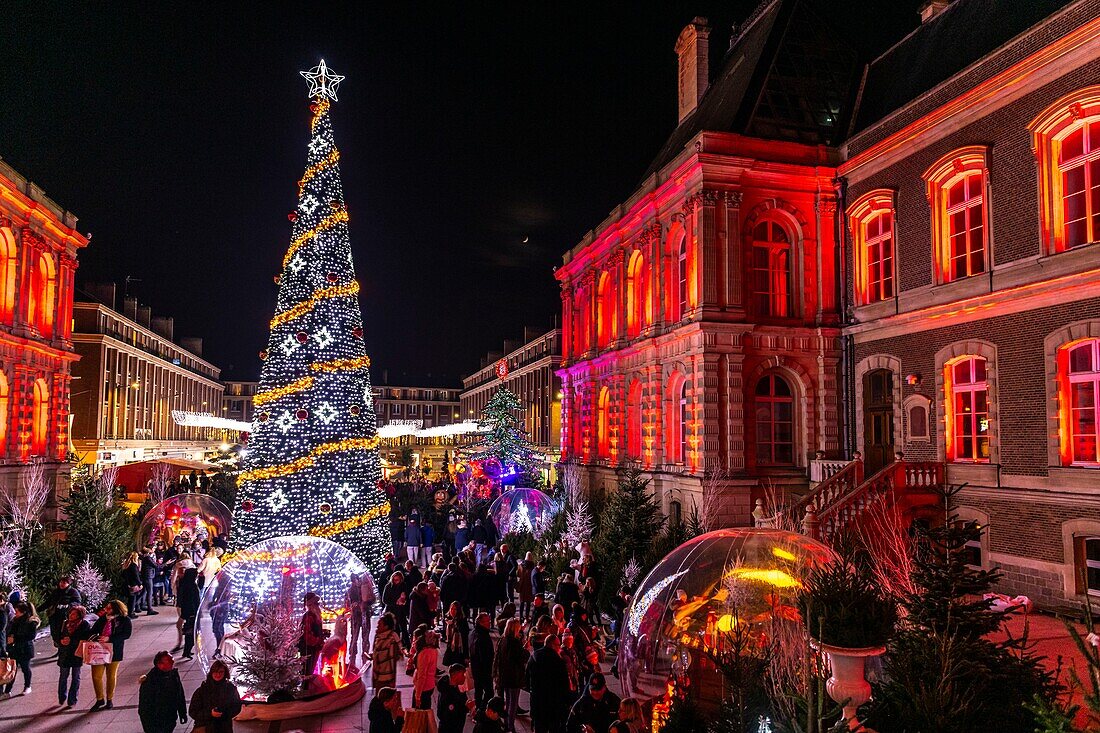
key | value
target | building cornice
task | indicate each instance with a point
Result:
(170, 345)
(105, 340)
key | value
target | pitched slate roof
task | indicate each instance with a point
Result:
(787, 76)
(961, 34)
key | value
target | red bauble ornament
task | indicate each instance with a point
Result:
(263, 416)
(325, 508)
(354, 409)
(293, 216)
(357, 332)
(313, 107)
(336, 205)
(248, 505)
(302, 337)
(277, 278)
(302, 414)
(332, 277)
(263, 354)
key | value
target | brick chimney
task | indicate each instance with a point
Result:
(693, 49)
(130, 308)
(932, 9)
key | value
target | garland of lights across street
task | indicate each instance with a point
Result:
(312, 465)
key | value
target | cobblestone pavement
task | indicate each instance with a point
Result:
(40, 713)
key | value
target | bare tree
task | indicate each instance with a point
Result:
(105, 484)
(158, 488)
(571, 483)
(25, 508)
(712, 499)
(884, 531)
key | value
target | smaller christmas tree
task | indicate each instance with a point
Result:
(93, 587)
(11, 577)
(504, 440)
(269, 662)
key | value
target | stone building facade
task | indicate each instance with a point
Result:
(38, 260)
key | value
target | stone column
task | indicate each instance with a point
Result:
(709, 269)
(592, 305)
(566, 322)
(734, 257)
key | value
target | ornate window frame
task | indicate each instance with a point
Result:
(1048, 130)
(944, 358)
(862, 211)
(917, 400)
(939, 178)
(1059, 450)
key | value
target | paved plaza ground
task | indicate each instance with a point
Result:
(39, 712)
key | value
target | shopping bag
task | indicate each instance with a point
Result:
(97, 653)
(8, 668)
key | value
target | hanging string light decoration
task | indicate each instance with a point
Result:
(312, 465)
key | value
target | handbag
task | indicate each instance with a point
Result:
(8, 668)
(96, 653)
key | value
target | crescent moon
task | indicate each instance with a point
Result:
(525, 239)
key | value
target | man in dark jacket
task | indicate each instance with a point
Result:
(597, 708)
(395, 600)
(453, 703)
(385, 713)
(149, 567)
(57, 606)
(567, 593)
(452, 587)
(397, 532)
(548, 682)
(481, 660)
(187, 590)
(160, 697)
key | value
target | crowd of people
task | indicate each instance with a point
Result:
(484, 635)
(158, 575)
(467, 615)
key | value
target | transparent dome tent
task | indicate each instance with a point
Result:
(264, 585)
(184, 518)
(727, 591)
(522, 510)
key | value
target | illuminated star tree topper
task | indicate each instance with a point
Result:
(322, 82)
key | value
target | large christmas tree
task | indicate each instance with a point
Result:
(312, 465)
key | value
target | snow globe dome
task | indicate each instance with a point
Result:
(522, 510)
(250, 617)
(184, 518)
(727, 591)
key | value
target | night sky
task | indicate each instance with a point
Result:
(177, 136)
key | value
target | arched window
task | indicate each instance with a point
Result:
(682, 279)
(581, 322)
(684, 424)
(636, 296)
(605, 311)
(634, 420)
(871, 220)
(5, 396)
(40, 418)
(1066, 140)
(7, 275)
(41, 299)
(967, 410)
(774, 422)
(603, 423)
(956, 192)
(771, 267)
(1080, 365)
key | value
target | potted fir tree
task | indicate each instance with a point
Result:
(849, 617)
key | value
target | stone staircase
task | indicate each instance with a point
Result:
(839, 502)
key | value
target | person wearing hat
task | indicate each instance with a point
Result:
(491, 719)
(596, 709)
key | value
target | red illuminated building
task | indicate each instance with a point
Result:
(38, 252)
(897, 256)
(702, 320)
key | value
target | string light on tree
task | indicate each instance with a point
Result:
(313, 465)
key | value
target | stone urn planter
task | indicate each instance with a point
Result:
(848, 684)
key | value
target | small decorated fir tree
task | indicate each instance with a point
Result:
(269, 662)
(11, 577)
(504, 439)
